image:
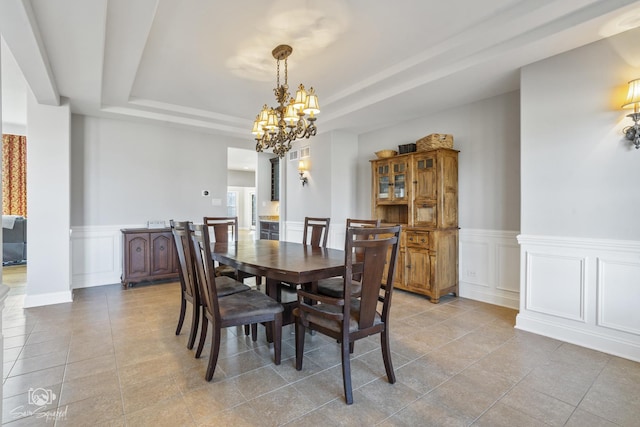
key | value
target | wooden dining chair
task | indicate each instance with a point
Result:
(316, 231)
(190, 292)
(315, 234)
(225, 229)
(250, 307)
(333, 286)
(350, 319)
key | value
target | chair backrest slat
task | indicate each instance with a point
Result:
(361, 223)
(188, 278)
(351, 222)
(371, 246)
(201, 244)
(225, 229)
(319, 232)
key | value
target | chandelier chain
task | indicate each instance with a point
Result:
(286, 73)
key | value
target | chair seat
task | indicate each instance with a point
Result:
(334, 287)
(225, 270)
(228, 286)
(248, 304)
(334, 325)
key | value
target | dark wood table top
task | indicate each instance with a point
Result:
(277, 260)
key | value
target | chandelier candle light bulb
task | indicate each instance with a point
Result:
(276, 128)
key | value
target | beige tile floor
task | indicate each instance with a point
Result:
(112, 358)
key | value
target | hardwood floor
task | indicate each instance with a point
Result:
(15, 276)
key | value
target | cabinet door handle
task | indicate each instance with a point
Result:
(423, 240)
(424, 206)
(162, 248)
(138, 249)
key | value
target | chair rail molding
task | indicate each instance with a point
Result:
(490, 266)
(583, 291)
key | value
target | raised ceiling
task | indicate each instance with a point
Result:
(207, 64)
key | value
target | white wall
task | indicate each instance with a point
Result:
(579, 175)
(48, 180)
(580, 280)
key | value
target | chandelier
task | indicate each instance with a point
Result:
(276, 128)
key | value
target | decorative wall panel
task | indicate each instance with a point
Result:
(556, 285)
(613, 285)
(583, 291)
(490, 266)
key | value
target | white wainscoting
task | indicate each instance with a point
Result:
(490, 266)
(96, 255)
(583, 291)
(489, 262)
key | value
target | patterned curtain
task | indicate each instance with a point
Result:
(14, 175)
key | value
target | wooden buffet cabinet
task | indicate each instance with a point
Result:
(149, 254)
(420, 191)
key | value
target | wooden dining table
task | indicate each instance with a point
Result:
(280, 261)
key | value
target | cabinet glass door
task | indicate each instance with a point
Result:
(399, 178)
(383, 181)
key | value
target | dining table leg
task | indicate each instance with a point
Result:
(273, 291)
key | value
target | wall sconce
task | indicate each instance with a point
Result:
(302, 168)
(632, 133)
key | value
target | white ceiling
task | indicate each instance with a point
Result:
(207, 64)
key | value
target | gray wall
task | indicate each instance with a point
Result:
(314, 199)
(579, 175)
(128, 173)
(241, 178)
(487, 133)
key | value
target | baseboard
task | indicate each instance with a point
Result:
(589, 339)
(471, 291)
(47, 299)
(90, 281)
